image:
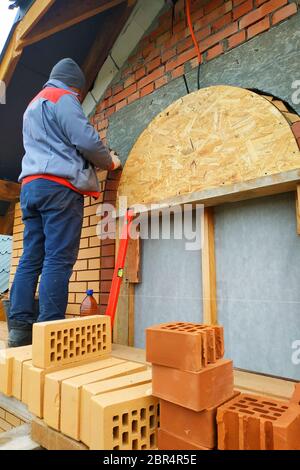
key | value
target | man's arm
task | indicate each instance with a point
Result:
(81, 133)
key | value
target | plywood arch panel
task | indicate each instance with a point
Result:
(215, 137)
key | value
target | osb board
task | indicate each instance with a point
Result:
(215, 137)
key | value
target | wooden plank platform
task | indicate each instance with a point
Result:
(50, 439)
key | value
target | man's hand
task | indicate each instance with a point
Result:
(116, 160)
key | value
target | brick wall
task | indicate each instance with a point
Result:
(8, 421)
(161, 56)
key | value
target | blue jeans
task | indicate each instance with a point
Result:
(53, 216)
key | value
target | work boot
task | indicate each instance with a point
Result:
(20, 334)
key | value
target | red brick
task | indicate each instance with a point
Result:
(140, 73)
(258, 3)
(198, 13)
(178, 72)
(184, 45)
(236, 39)
(167, 441)
(129, 81)
(242, 9)
(155, 53)
(154, 64)
(203, 33)
(117, 89)
(151, 77)
(238, 2)
(148, 50)
(110, 111)
(252, 422)
(186, 346)
(259, 27)
(179, 26)
(134, 97)
(217, 37)
(124, 94)
(147, 90)
(104, 299)
(102, 309)
(102, 134)
(181, 59)
(219, 24)
(296, 129)
(108, 250)
(200, 428)
(212, 5)
(163, 38)
(105, 287)
(214, 15)
(215, 51)
(121, 105)
(296, 395)
(103, 124)
(108, 93)
(106, 274)
(107, 262)
(126, 72)
(197, 391)
(168, 55)
(284, 13)
(260, 12)
(161, 82)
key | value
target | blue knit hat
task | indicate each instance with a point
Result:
(68, 72)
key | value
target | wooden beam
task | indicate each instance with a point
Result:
(65, 14)
(260, 187)
(298, 208)
(9, 191)
(15, 48)
(113, 23)
(131, 314)
(208, 267)
(7, 221)
(133, 261)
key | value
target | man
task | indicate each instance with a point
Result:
(62, 150)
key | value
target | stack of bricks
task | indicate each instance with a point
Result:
(192, 380)
(252, 422)
(69, 378)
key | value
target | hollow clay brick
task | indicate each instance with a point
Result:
(69, 341)
(167, 441)
(53, 381)
(198, 428)
(25, 381)
(185, 346)
(7, 356)
(296, 395)
(194, 390)
(125, 420)
(251, 422)
(17, 375)
(91, 390)
(71, 394)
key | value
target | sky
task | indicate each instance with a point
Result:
(6, 20)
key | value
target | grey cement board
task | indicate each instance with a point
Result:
(269, 62)
(171, 286)
(258, 283)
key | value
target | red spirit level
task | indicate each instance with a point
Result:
(119, 268)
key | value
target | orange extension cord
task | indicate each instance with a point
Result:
(190, 24)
